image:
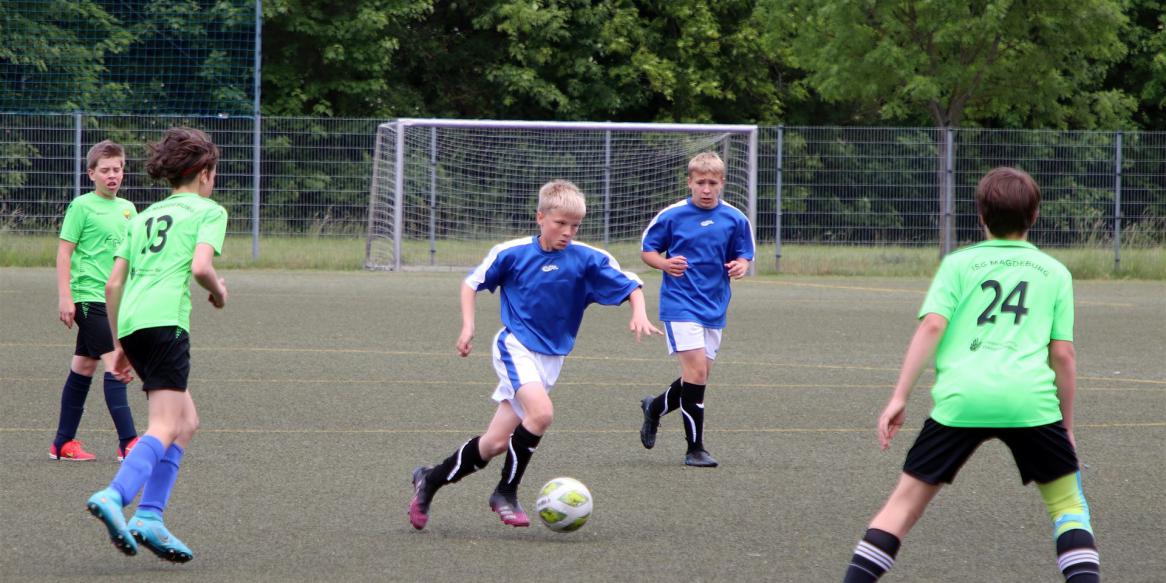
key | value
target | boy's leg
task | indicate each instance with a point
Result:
(472, 456)
(147, 526)
(117, 401)
(656, 407)
(875, 553)
(1077, 555)
(73, 395)
(538, 412)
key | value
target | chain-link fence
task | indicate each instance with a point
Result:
(837, 186)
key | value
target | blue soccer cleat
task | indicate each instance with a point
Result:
(147, 528)
(106, 506)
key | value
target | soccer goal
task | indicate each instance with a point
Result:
(444, 191)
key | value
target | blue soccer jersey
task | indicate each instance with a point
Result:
(708, 239)
(544, 293)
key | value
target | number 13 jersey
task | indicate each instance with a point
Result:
(1004, 302)
(159, 248)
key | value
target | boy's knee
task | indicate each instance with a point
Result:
(83, 366)
(539, 422)
(1066, 504)
(490, 446)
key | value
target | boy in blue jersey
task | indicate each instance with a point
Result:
(547, 281)
(700, 243)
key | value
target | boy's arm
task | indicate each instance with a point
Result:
(203, 270)
(640, 324)
(468, 300)
(673, 266)
(1063, 361)
(920, 353)
(114, 287)
(65, 306)
(738, 267)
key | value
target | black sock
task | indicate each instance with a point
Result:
(666, 402)
(692, 406)
(874, 556)
(72, 407)
(465, 461)
(1077, 557)
(522, 446)
(118, 404)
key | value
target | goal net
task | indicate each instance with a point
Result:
(444, 191)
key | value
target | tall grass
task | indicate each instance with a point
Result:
(322, 253)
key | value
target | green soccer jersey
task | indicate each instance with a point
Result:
(1004, 302)
(96, 225)
(160, 249)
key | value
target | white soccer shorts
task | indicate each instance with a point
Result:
(690, 336)
(517, 366)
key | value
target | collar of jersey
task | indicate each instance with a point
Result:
(701, 208)
(534, 241)
(1006, 243)
(172, 195)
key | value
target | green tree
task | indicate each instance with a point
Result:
(1142, 73)
(1015, 63)
(336, 58)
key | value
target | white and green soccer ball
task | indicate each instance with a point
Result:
(564, 504)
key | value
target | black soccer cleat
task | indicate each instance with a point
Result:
(651, 423)
(508, 509)
(699, 458)
(419, 505)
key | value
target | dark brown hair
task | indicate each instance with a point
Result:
(1007, 200)
(104, 149)
(181, 155)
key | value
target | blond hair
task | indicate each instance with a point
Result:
(561, 195)
(708, 162)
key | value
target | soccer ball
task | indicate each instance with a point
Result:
(564, 504)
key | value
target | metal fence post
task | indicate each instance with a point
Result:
(433, 196)
(777, 200)
(948, 194)
(752, 192)
(398, 193)
(1117, 204)
(606, 187)
(257, 137)
(77, 156)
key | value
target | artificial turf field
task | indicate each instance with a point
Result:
(320, 391)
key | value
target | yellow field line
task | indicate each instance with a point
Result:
(423, 431)
(908, 290)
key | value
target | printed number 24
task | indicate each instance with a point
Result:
(1018, 310)
(164, 224)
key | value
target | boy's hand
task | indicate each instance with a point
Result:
(67, 311)
(465, 342)
(891, 421)
(218, 300)
(737, 268)
(641, 326)
(675, 266)
(122, 370)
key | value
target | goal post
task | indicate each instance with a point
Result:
(443, 191)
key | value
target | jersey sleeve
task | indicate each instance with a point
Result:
(487, 275)
(73, 223)
(657, 236)
(123, 248)
(1063, 311)
(944, 294)
(213, 229)
(607, 283)
(743, 244)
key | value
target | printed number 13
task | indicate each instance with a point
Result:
(164, 224)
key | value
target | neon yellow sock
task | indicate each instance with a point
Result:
(1066, 504)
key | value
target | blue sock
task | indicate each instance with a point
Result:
(136, 468)
(157, 491)
(72, 407)
(119, 409)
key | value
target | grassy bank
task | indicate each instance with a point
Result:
(882, 261)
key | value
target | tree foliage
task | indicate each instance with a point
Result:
(1015, 63)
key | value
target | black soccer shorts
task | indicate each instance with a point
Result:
(1043, 453)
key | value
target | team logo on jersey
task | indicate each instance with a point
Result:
(126, 213)
(550, 268)
(706, 223)
(975, 345)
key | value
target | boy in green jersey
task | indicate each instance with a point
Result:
(94, 225)
(999, 321)
(148, 295)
